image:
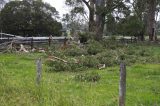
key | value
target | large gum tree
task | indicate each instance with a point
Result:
(98, 12)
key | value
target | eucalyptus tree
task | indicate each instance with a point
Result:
(145, 11)
(151, 19)
(140, 12)
(77, 16)
(99, 10)
(153, 7)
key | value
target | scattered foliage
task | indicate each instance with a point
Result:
(75, 50)
(88, 77)
(94, 47)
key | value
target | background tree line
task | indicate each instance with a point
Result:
(104, 17)
(29, 18)
(124, 17)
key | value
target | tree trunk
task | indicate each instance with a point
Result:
(151, 19)
(141, 36)
(95, 8)
(91, 8)
(91, 20)
(100, 19)
(99, 27)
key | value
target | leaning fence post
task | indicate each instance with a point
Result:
(39, 71)
(122, 84)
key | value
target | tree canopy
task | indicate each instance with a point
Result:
(129, 17)
(30, 18)
(102, 17)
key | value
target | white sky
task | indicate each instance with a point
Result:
(59, 5)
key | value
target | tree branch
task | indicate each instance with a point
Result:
(87, 4)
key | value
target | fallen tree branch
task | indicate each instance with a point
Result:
(23, 49)
(57, 58)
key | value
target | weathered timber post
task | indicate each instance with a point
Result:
(8, 39)
(49, 41)
(31, 43)
(122, 84)
(39, 71)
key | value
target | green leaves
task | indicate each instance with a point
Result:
(131, 26)
(30, 18)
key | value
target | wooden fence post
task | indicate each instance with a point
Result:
(122, 84)
(32, 43)
(8, 39)
(49, 41)
(39, 71)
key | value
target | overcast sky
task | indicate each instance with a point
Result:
(59, 5)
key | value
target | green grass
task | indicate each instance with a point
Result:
(18, 88)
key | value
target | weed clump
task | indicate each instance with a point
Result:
(88, 77)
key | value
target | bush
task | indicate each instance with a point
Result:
(131, 26)
(84, 37)
(143, 52)
(57, 66)
(130, 51)
(130, 59)
(79, 64)
(94, 47)
(110, 43)
(75, 51)
(107, 57)
(88, 77)
(74, 66)
(89, 61)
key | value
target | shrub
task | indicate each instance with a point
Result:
(130, 59)
(143, 52)
(94, 47)
(88, 77)
(75, 51)
(122, 57)
(130, 51)
(110, 43)
(84, 37)
(131, 26)
(78, 64)
(75, 65)
(58, 66)
(89, 61)
(107, 57)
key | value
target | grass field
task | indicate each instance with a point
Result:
(18, 88)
